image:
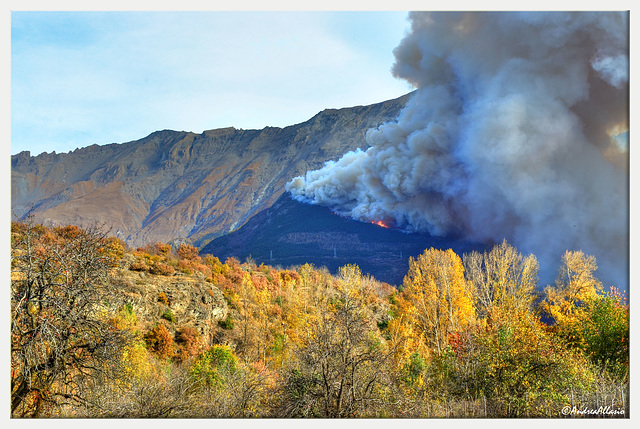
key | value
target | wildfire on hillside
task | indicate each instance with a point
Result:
(381, 223)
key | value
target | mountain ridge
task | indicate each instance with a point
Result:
(185, 186)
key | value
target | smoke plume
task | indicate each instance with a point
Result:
(510, 134)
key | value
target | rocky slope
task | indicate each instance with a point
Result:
(177, 185)
(191, 301)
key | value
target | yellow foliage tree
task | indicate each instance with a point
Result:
(433, 303)
(575, 286)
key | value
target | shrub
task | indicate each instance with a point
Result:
(606, 334)
(125, 318)
(515, 364)
(162, 248)
(212, 367)
(413, 369)
(160, 341)
(227, 323)
(259, 281)
(139, 266)
(189, 253)
(168, 315)
(202, 268)
(212, 260)
(162, 269)
(235, 275)
(187, 342)
(128, 308)
(288, 276)
(185, 267)
(162, 297)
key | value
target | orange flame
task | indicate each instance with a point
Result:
(381, 223)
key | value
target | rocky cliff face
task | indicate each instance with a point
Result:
(181, 185)
(191, 300)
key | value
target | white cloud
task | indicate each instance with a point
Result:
(80, 79)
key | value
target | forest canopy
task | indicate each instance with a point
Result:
(463, 336)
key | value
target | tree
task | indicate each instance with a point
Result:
(340, 371)
(605, 333)
(596, 323)
(517, 365)
(433, 303)
(211, 368)
(160, 341)
(61, 300)
(567, 301)
(501, 278)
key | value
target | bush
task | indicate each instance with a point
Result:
(188, 342)
(160, 341)
(162, 297)
(189, 253)
(185, 267)
(162, 249)
(168, 315)
(227, 323)
(515, 364)
(162, 269)
(212, 367)
(606, 334)
(413, 369)
(126, 318)
(139, 266)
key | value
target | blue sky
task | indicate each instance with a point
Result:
(82, 78)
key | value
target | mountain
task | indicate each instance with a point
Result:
(177, 185)
(291, 233)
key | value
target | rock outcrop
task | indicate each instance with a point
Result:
(191, 301)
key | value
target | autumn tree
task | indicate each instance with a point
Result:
(586, 317)
(248, 310)
(340, 371)
(160, 341)
(433, 303)
(188, 342)
(605, 333)
(501, 277)
(61, 299)
(507, 357)
(211, 368)
(575, 287)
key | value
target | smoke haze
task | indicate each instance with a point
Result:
(509, 135)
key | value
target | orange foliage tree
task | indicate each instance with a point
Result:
(61, 306)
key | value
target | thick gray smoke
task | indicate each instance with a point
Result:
(508, 136)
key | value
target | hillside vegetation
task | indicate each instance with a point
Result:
(102, 330)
